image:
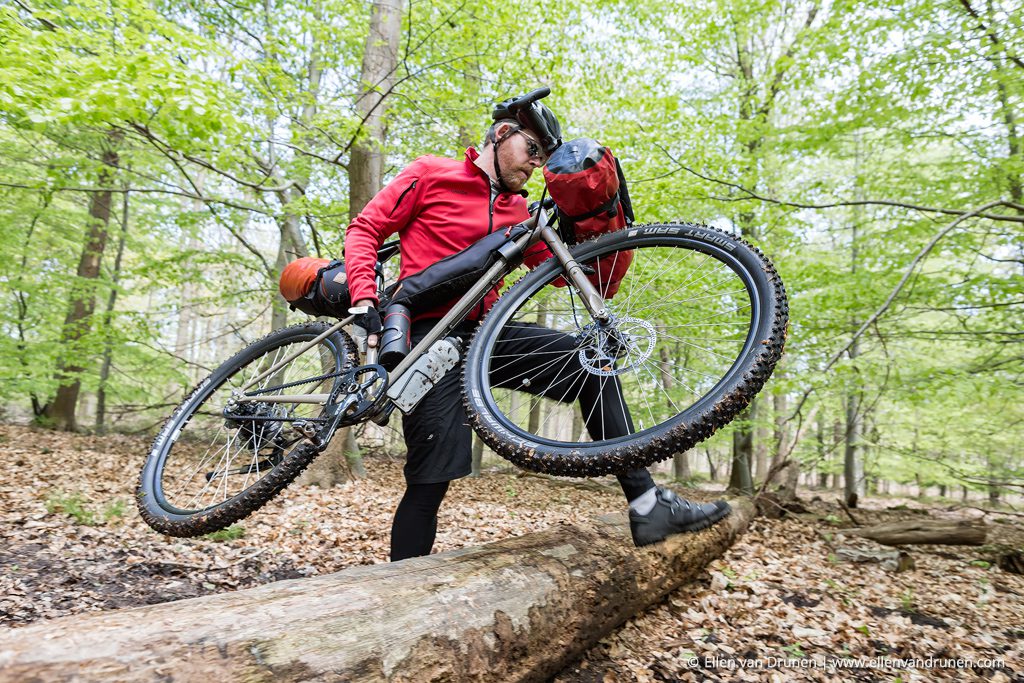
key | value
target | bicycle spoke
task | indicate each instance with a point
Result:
(216, 458)
(651, 360)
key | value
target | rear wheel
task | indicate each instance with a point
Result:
(217, 459)
(696, 326)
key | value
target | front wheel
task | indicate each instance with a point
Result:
(696, 324)
(218, 459)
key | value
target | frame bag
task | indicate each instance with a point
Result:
(318, 286)
(452, 276)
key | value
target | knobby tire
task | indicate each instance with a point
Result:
(167, 518)
(737, 264)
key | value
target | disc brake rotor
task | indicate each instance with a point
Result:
(617, 347)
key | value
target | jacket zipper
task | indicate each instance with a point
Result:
(490, 212)
(402, 196)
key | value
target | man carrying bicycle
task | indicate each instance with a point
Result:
(439, 207)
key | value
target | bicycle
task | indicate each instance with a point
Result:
(692, 334)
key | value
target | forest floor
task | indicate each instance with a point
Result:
(777, 606)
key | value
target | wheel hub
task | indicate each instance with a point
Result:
(260, 431)
(616, 347)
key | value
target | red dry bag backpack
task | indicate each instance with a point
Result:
(588, 186)
(586, 182)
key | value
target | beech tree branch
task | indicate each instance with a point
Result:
(146, 190)
(169, 152)
(906, 276)
(990, 33)
(750, 194)
(49, 25)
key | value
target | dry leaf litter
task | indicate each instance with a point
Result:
(778, 606)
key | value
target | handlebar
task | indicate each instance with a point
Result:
(526, 100)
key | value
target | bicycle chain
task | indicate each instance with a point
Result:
(298, 382)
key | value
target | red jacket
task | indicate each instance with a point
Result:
(438, 207)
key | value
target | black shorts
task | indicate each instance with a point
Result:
(437, 433)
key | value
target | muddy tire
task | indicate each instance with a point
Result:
(206, 471)
(697, 325)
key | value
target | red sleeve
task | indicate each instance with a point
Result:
(388, 212)
(536, 255)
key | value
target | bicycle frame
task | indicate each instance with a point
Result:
(539, 230)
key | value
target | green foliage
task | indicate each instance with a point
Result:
(77, 506)
(907, 601)
(795, 651)
(72, 504)
(232, 533)
(114, 511)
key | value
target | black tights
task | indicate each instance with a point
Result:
(415, 525)
(438, 436)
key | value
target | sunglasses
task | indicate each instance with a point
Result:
(533, 148)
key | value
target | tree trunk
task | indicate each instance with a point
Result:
(38, 407)
(533, 419)
(366, 161)
(680, 460)
(926, 531)
(712, 469)
(108, 347)
(853, 463)
(187, 333)
(740, 480)
(681, 466)
(792, 478)
(578, 425)
(760, 449)
(478, 456)
(517, 610)
(993, 495)
(290, 247)
(380, 57)
(779, 441)
(471, 92)
(77, 324)
(853, 467)
(1015, 147)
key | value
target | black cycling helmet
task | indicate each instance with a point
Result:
(534, 116)
(529, 114)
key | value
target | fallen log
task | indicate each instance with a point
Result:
(516, 610)
(923, 531)
(890, 560)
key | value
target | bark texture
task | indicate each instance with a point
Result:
(516, 610)
(366, 163)
(78, 322)
(917, 532)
